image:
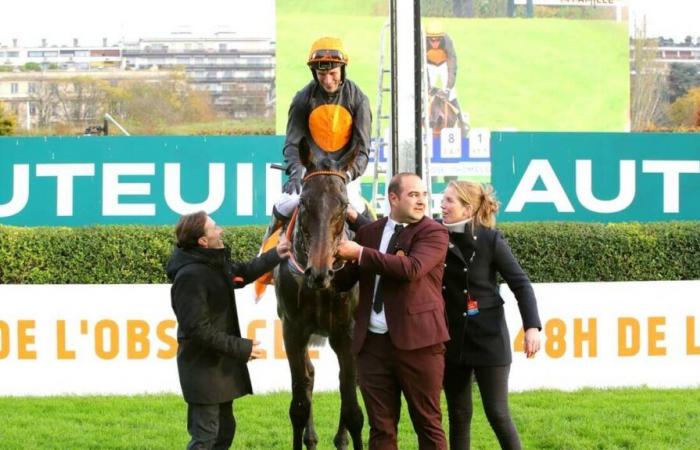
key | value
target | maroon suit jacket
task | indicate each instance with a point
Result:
(414, 308)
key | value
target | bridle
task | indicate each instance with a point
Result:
(325, 172)
(292, 222)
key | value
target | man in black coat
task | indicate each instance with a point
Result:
(212, 355)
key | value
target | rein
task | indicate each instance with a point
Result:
(290, 228)
(447, 106)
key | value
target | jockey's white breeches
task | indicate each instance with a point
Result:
(437, 78)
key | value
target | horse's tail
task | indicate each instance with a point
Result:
(316, 340)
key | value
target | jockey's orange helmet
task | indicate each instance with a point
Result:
(434, 29)
(327, 53)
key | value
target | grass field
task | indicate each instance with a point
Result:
(536, 74)
(588, 419)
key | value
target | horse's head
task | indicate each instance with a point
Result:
(437, 111)
(442, 113)
(321, 220)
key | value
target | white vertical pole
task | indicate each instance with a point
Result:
(406, 86)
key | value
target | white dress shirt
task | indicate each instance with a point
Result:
(377, 321)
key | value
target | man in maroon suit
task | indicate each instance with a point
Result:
(400, 326)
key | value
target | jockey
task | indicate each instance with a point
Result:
(330, 117)
(442, 65)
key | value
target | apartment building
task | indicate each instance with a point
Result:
(681, 55)
(238, 72)
(71, 58)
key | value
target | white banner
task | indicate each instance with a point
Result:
(610, 335)
(120, 339)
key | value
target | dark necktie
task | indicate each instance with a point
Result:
(378, 298)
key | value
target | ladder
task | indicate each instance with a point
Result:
(379, 143)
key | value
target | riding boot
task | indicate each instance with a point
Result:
(271, 238)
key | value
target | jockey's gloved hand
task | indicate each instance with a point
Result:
(293, 184)
(348, 176)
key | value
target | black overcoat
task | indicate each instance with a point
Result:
(212, 355)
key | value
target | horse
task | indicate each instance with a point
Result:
(308, 305)
(443, 114)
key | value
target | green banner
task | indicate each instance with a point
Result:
(75, 181)
(602, 177)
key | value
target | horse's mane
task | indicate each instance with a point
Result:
(327, 164)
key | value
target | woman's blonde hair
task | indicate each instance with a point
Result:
(482, 200)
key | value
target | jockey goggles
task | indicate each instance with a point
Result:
(327, 59)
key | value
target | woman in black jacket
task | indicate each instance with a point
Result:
(480, 343)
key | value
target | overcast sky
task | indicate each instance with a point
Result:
(59, 21)
(667, 18)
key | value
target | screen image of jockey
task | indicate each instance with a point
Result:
(441, 62)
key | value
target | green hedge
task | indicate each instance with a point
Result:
(548, 251)
(97, 255)
(561, 252)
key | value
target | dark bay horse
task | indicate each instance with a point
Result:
(308, 305)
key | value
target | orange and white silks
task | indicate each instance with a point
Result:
(436, 56)
(331, 127)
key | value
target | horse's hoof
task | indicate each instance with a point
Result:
(341, 444)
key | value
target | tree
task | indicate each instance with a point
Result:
(44, 101)
(681, 78)
(31, 67)
(685, 112)
(7, 122)
(82, 99)
(647, 82)
(152, 106)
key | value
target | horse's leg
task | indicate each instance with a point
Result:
(295, 343)
(351, 418)
(310, 436)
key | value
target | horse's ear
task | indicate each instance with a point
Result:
(305, 155)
